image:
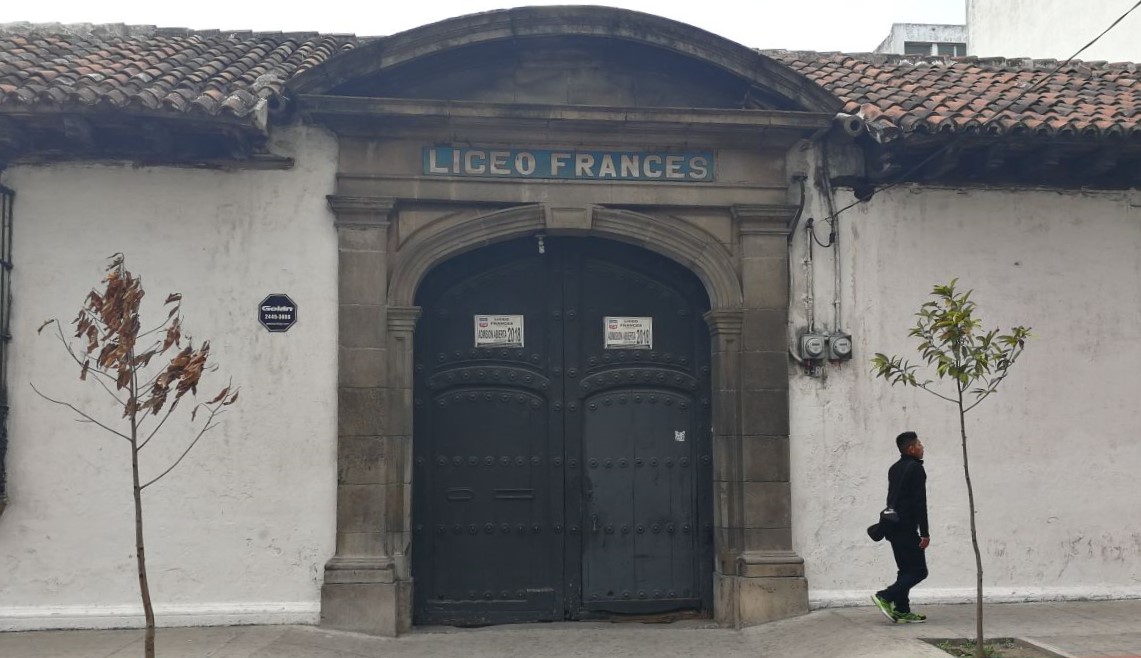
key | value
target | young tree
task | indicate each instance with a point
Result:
(116, 354)
(975, 362)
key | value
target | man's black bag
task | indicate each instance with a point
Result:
(888, 516)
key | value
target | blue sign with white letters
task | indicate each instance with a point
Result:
(277, 312)
(651, 166)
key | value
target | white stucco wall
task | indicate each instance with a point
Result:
(240, 531)
(1053, 29)
(1054, 454)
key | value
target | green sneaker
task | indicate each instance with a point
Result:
(886, 607)
(911, 617)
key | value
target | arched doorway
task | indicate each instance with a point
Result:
(568, 84)
(562, 435)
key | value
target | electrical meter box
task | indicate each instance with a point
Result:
(813, 347)
(839, 347)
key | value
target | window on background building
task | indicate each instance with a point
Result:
(953, 49)
(917, 47)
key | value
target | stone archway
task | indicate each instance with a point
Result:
(367, 584)
(561, 78)
(688, 245)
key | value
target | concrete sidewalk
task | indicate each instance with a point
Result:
(1071, 630)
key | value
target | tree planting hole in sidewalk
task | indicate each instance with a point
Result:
(1003, 647)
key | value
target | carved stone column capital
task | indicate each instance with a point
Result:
(724, 322)
(361, 211)
(764, 219)
(402, 319)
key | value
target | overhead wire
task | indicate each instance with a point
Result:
(995, 115)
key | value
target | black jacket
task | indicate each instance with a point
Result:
(911, 501)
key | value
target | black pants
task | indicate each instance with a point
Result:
(912, 565)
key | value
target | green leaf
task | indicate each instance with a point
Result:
(952, 340)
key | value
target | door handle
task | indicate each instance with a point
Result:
(594, 523)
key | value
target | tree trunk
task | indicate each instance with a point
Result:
(979, 653)
(140, 550)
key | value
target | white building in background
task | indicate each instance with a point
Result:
(925, 39)
(1053, 29)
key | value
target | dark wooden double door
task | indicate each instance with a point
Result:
(564, 479)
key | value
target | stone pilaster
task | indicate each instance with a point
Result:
(362, 583)
(760, 578)
(725, 332)
(401, 325)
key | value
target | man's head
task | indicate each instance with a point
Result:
(909, 444)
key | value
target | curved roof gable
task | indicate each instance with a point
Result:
(771, 83)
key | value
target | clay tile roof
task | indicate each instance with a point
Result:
(1091, 99)
(138, 67)
(232, 74)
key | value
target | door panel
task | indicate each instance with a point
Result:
(640, 490)
(560, 479)
(643, 408)
(488, 486)
(491, 504)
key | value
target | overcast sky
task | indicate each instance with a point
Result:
(846, 25)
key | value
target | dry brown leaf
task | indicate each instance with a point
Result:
(220, 396)
(173, 336)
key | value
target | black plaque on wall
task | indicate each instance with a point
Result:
(277, 312)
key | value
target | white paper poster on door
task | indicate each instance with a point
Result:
(628, 333)
(499, 331)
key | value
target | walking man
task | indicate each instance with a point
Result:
(907, 493)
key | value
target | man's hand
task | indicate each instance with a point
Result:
(924, 542)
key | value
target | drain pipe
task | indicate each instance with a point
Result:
(802, 180)
(834, 240)
(7, 198)
(809, 280)
(809, 303)
(853, 126)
